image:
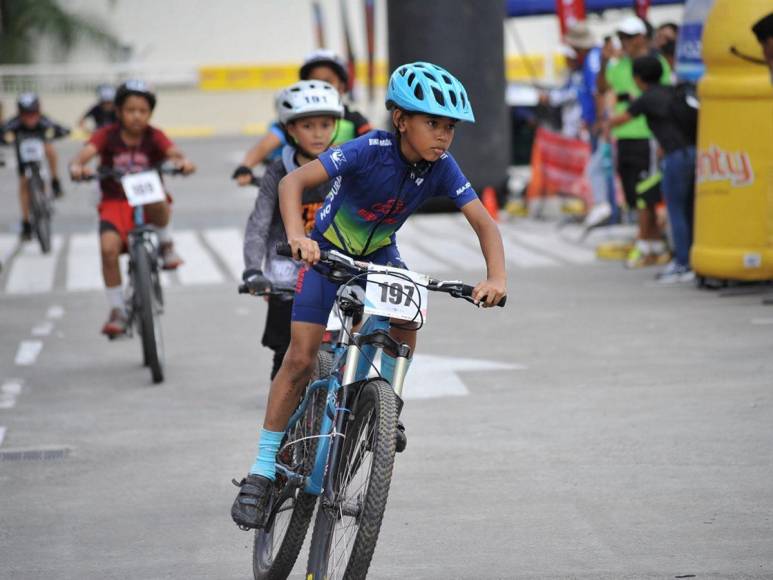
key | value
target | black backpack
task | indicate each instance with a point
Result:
(684, 109)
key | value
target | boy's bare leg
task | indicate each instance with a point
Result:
(24, 199)
(160, 214)
(110, 244)
(294, 374)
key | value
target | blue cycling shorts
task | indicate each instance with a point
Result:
(315, 294)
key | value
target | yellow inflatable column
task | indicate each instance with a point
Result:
(734, 190)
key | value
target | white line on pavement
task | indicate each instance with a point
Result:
(55, 312)
(555, 246)
(9, 391)
(199, 267)
(43, 329)
(8, 243)
(229, 245)
(2, 434)
(28, 352)
(33, 272)
(84, 267)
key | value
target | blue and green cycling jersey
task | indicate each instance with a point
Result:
(374, 190)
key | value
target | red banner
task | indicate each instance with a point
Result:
(641, 7)
(570, 12)
(558, 166)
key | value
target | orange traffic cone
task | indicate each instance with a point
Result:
(489, 199)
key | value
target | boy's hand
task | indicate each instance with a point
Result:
(78, 172)
(243, 175)
(305, 249)
(185, 166)
(489, 292)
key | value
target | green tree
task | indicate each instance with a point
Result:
(23, 23)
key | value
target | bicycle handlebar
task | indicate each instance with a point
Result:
(103, 172)
(245, 289)
(332, 258)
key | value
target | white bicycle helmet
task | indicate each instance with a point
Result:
(308, 99)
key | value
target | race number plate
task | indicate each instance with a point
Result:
(143, 188)
(396, 296)
(31, 150)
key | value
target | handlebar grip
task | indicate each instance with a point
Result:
(467, 291)
(284, 249)
(243, 289)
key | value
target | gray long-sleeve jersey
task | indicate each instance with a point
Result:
(265, 228)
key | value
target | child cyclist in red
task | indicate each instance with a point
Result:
(378, 180)
(131, 145)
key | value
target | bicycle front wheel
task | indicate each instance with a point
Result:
(346, 529)
(41, 212)
(276, 548)
(148, 312)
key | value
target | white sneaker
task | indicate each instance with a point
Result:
(673, 273)
(598, 215)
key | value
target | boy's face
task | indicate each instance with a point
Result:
(30, 119)
(327, 74)
(427, 135)
(313, 134)
(107, 105)
(134, 114)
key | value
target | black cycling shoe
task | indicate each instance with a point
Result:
(252, 505)
(402, 439)
(26, 232)
(56, 187)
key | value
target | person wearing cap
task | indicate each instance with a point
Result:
(31, 123)
(763, 30)
(637, 151)
(103, 111)
(320, 65)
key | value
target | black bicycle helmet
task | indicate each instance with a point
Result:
(324, 57)
(135, 87)
(28, 103)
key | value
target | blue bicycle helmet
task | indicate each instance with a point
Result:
(422, 87)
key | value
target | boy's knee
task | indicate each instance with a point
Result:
(110, 249)
(299, 364)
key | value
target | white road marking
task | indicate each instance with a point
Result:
(28, 352)
(9, 391)
(446, 245)
(33, 272)
(84, 265)
(55, 312)
(228, 243)
(2, 434)
(8, 244)
(555, 246)
(199, 267)
(43, 329)
(518, 255)
(433, 376)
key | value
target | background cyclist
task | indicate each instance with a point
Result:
(103, 111)
(308, 111)
(321, 65)
(31, 123)
(131, 145)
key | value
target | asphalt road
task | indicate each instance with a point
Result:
(600, 426)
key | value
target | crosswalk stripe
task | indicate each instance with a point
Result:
(518, 255)
(84, 265)
(199, 267)
(452, 242)
(228, 243)
(33, 272)
(555, 246)
(7, 245)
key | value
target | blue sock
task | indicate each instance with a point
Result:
(268, 447)
(388, 366)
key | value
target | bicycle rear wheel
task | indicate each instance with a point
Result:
(346, 529)
(276, 548)
(148, 312)
(41, 211)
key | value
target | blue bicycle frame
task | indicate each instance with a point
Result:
(346, 370)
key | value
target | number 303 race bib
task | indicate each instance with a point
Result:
(396, 296)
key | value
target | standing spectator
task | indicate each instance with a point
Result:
(636, 149)
(763, 30)
(665, 41)
(672, 116)
(566, 98)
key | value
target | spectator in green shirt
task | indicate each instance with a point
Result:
(637, 152)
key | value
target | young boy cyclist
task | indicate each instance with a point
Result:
(131, 145)
(320, 65)
(308, 112)
(379, 180)
(102, 113)
(31, 123)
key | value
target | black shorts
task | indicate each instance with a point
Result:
(277, 332)
(637, 166)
